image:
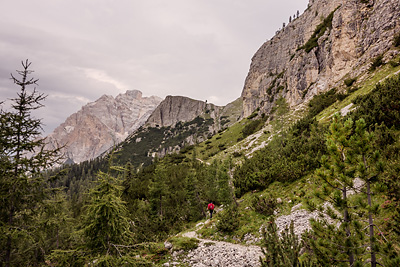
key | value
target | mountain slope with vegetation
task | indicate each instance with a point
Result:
(334, 158)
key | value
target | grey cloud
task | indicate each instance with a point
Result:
(200, 49)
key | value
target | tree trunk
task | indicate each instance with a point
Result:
(8, 251)
(371, 226)
(347, 221)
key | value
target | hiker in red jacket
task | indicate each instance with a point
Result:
(210, 207)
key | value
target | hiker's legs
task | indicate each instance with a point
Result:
(211, 212)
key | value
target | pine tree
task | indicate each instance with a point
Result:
(224, 189)
(337, 176)
(106, 224)
(369, 167)
(158, 191)
(282, 249)
(22, 161)
(351, 155)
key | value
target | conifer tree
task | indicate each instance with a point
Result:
(352, 155)
(224, 189)
(368, 168)
(22, 161)
(106, 225)
(337, 176)
(282, 249)
(158, 192)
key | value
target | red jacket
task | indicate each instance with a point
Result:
(210, 206)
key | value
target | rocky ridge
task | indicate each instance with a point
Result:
(101, 124)
(176, 109)
(180, 121)
(359, 32)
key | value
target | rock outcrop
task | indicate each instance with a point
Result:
(180, 109)
(178, 122)
(355, 33)
(101, 124)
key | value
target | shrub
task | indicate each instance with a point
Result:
(228, 220)
(396, 40)
(377, 62)
(350, 81)
(318, 32)
(253, 115)
(184, 243)
(237, 154)
(254, 126)
(264, 205)
(394, 63)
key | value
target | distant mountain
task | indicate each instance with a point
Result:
(101, 124)
(176, 123)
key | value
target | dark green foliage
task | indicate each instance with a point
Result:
(318, 32)
(377, 62)
(394, 63)
(286, 158)
(265, 205)
(396, 40)
(138, 148)
(167, 194)
(322, 101)
(237, 154)
(332, 246)
(253, 126)
(350, 81)
(22, 184)
(253, 115)
(352, 153)
(68, 258)
(336, 176)
(382, 105)
(106, 222)
(184, 243)
(281, 250)
(228, 220)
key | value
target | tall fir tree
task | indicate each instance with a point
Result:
(106, 225)
(22, 161)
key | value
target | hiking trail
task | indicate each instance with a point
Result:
(217, 254)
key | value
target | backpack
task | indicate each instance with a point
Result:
(210, 206)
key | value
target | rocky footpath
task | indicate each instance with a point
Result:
(217, 254)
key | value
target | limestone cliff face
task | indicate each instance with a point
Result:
(101, 124)
(180, 109)
(281, 68)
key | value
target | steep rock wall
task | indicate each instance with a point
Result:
(180, 109)
(360, 31)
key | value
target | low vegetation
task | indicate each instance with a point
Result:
(319, 31)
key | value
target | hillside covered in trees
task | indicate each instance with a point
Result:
(106, 213)
(335, 155)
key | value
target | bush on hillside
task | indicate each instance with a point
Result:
(377, 62)
(381, 105)
(396, 40)
(228, 220)
(265, 205)
(350, 81)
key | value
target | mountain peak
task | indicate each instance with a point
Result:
(103, 123)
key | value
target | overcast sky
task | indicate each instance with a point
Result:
(83, 49)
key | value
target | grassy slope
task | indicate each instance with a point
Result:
(290, 193)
